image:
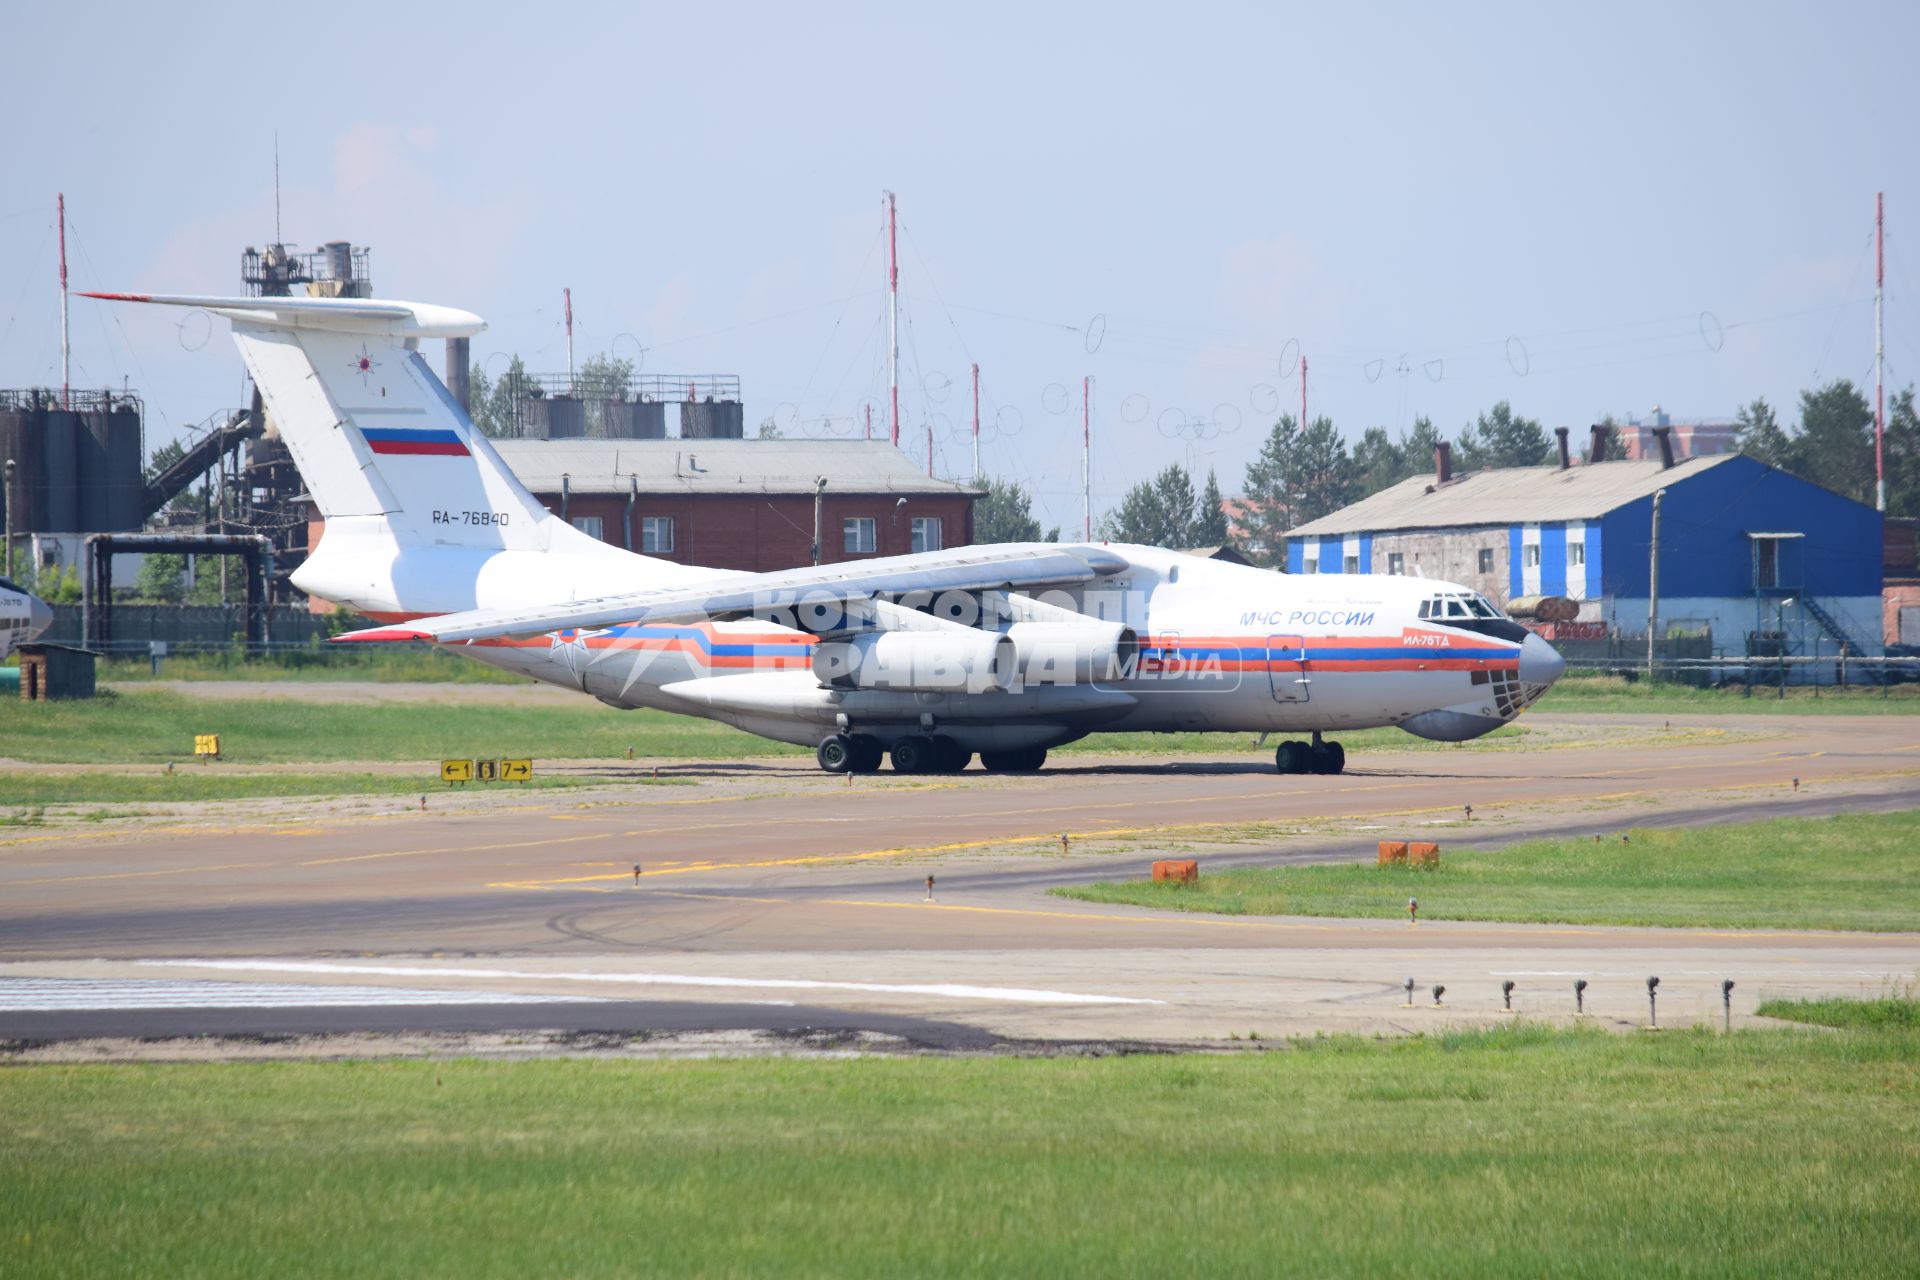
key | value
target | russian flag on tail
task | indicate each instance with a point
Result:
(435, 441)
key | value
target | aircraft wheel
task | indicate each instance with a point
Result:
(1329, 757)
(1021, 760)
(836, 753)
(950, 756)
(1293, 757)
(867, 753)
(915, 754)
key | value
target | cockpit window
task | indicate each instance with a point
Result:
(1459, 606)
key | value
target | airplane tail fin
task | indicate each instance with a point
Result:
(389, 457)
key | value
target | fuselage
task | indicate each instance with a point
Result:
(1222, 648)
(23, 617)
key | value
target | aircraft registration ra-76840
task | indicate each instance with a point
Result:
(1004, 651)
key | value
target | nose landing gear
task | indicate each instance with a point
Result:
(1318, 756)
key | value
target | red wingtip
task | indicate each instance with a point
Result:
(119, 297)
(383, 633)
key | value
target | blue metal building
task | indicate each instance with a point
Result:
(1747, 552)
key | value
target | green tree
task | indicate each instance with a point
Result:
(1005, 514)
(1418, 444)
(1499, 439)
(1834, 445)
(1903, 456)
(162, 578)
(1272, 489)
(1758, 435)
(1326, 471)
(491, 402)
(1210, 521)
(1377, 461)
(163, 457)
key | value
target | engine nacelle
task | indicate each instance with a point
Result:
(945, 661)
(1090, 652)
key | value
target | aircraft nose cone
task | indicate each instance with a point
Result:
(1540, 662)
(39, 616)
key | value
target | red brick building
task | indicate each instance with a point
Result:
(742, 504)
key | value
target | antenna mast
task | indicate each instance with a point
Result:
(1303, 392)
(1879, 352)
(276, 186)
(1086, 457)
(568, 292)
(893, 321)
(66, 353)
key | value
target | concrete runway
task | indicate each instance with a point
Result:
(771, 883)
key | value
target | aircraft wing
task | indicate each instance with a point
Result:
(1018, 567)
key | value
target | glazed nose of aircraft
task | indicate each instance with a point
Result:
(1540, 663)
(39, 616)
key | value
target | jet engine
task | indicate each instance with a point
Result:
(960, 660)
(1088, 652)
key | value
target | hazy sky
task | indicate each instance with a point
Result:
(1440, 205)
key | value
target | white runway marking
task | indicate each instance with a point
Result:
(48, 995)
(955, 991)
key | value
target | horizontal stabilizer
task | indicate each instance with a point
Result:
(342, 315)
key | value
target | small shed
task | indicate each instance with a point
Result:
(50, 671)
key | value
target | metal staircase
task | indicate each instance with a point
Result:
(1831, 625)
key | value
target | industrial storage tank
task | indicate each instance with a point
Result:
(555, 418)
(633, 420)
(22, 438)
(712, 419)
(60, 471)
(107, 456)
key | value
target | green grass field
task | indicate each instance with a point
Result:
(1889, 1012)
(1519, 1152)
(326, 662)
(135, 725)
(1852, 872)
(1581, 692)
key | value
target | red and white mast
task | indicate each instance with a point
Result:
(1879, 353)
(66, 353)
(893, 328)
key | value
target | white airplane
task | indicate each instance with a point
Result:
(1005, 651)
(23, 616)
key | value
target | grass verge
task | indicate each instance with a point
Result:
(1900, 1011)
(134, 725)
(1596, 693)
(1519, 1152)
(1850, 872)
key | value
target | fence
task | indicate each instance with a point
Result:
(189, 628)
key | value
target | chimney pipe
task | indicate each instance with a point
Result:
(1443, 462)
(1566, 460)
(1665, 436)
(458, 372)
(1599, 451)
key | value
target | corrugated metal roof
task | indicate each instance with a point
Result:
(718, 466)
(1510, 495)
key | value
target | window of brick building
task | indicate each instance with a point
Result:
(858, 537)
(656, 534)
(1486, 559)
(591, 526)
(926, 533)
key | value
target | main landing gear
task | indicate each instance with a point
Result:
(1317, 756)
(849, 753)
(919, 753)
